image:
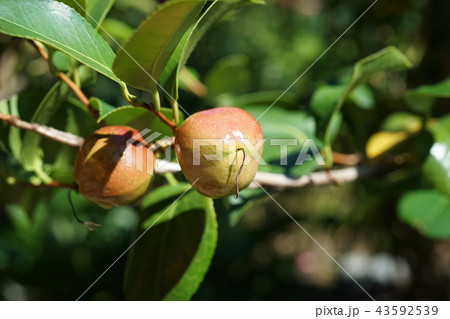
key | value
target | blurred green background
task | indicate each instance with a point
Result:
(46, 255)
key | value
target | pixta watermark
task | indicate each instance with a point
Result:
(213, 149)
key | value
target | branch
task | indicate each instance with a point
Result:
(340, 176)
(280, 181)
(49, 132)
(72, 85)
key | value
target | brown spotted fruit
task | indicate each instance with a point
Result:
(211, 146)
(114, 166)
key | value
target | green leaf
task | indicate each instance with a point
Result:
(142, 59)
(238, 207)
(421, 99)
(388, 59)
(401, 121)
(212, 14)
(441, 89)
(428, 211)
(172, 257)
(98, 9)
(228, 76)
(59, 26)
(62, 168)
(31, 155)
(139, 118)
(19, 218)
(11, 107)
(324, 99)
(60, 61)
(159, 195)
(78, 5)
(363, 97)
(436, 168)
(287, 100)
(118, 30)
(102, 107)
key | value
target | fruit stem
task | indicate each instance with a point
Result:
(133, 100)
(89, 225)
(239, 171)
(175, 111)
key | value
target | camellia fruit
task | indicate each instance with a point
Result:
(219, 150)
(114, 166)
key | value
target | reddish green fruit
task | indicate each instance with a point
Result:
(230, 133)
(112, 171)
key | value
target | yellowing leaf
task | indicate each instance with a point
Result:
(381, 142)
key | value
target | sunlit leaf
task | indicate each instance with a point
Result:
(79, 5)
(142, 59)
(381, 142)
(212, 14)
(58, 25)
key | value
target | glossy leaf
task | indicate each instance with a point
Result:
(97, 11)
(436, 168)
(172, 71)
(64, 29)
(428, 211)
(31, 154)
(388, 59)
(79, 5)
(144, 56)
(172, 257)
